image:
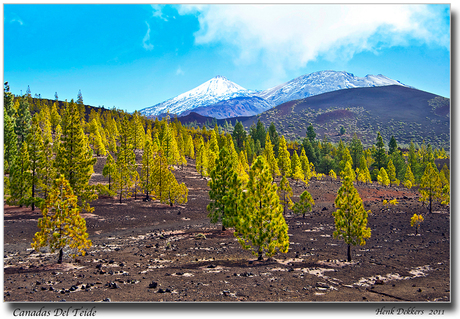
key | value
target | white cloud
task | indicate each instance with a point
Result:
(290, 36)
(146, 41)
(158, 12)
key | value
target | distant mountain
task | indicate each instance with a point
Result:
(221, 98)
(406, 113)
(321, 82)
(238, 106)
(213, 91)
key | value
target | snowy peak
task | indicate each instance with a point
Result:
(321, 82)
(210, 92)
(217, 86)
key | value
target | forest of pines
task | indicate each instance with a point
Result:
(51, 147)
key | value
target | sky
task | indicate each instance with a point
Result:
(135, 56)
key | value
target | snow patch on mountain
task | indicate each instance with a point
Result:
(210, 92)
(321, 82)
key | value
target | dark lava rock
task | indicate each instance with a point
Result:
(153, 285)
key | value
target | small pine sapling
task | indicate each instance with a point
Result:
(416, 221)
(304, 205)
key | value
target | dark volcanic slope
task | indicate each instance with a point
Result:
(393, 110)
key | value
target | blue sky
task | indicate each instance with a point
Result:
(135, 56)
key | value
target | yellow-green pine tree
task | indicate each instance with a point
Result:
(350, 216)
(74, 158)
(284, 158)
(364, 175)
(125, 165)
(392, 173)
(430, 186)
(304, 205)
(305, 166)
(269, 156)
(382, 177)
(296, 167)
(260, 225)
(221, 180)
(285, 194)
(61, 225)
(201, 158)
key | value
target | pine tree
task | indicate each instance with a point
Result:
(364, 175)
(35, 150)
(379, 155)
(95, 137)
(332, 175)
(383, 178)
(356, 150)
(304, 205)
(74, 158)
(269, 156)
(392, 145)
(20, 178)
(285, 194)
(46, 167)
(260, 225)
(221, 179)
(242, 168)
(147, 168)
(138, 132)
(125, 167)
(189, 148)
(296, 167)
(10, 142)
(305, 166)
(176, 193)
(201, 158)
(350, 216)
(239, 135)
(416, 221)
(55, 118)
(284, 158)
(23, 120)
(109, 169)
(61, 225)
(430, 186)
(392, 173)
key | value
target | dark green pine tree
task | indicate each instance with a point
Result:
(10, 142)
(380, 157)
(74, 158)
(239, 136)
(220, 185)
(23, 119)
(356, 150)
(392, 145)
(19, 178)
(274, 137)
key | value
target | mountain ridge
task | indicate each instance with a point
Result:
(220, 97)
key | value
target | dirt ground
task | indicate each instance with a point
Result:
(147, 251)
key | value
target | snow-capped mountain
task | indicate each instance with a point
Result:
(210, 92)
(321, 82)
(220, 97)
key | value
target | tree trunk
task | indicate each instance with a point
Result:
(60, 256)
(260, 258)
(349, 253)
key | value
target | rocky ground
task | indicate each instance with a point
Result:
(147, 251)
